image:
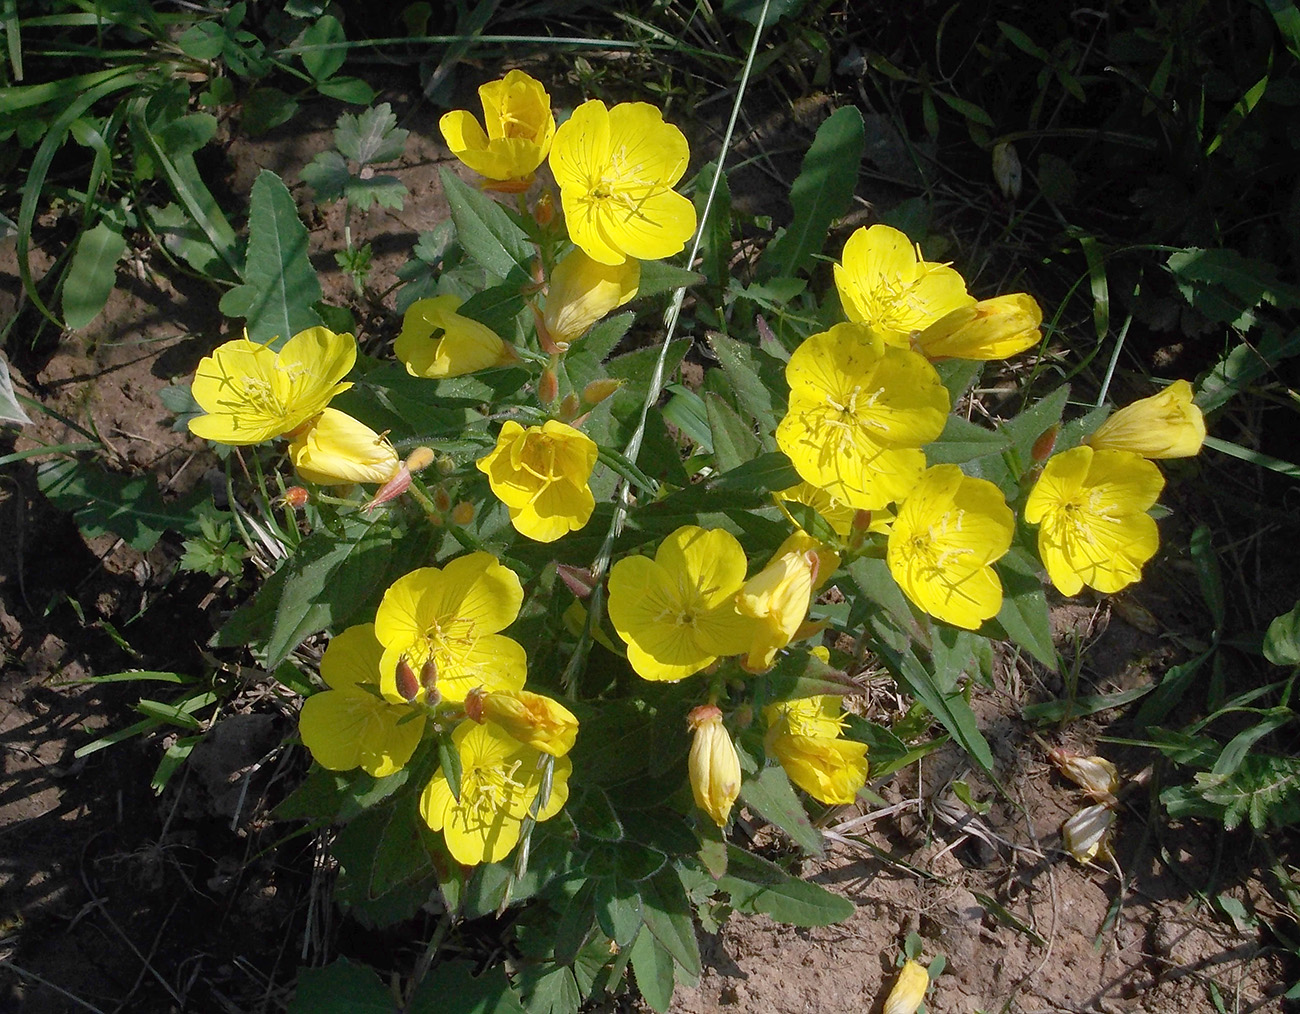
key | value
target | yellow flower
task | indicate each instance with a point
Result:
(883, 282)
(677, 612)
(777, 597)
(582, 291)
(1165, 425)
(541, 474)
(520, 127)
(713, 764)
(909, 990)
(616, 169)
(348, 726)
(540, 722)
(500, 778)
(1092, 506)
(252, 393)
(838, 515)
(859, 412)
(334, 449)
(990, 329)
(436, 341)
(947, 534)
(802, 736)
(451, 617)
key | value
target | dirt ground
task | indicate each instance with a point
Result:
(116, 899)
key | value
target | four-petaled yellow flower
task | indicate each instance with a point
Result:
(540, 473)
(990, 329)
(616, 169)
(349, 725)
(713, 764)
(859, 412)
(334, 449)
(500, 779)
(442, 625)
(540, 722)
(1165, 425)
(520, 128)
(581, 292)
(677, 612)
(947, 534)
(1091, 507)
(436, 341)
(803, 735)
(252, 393)
(883, 281)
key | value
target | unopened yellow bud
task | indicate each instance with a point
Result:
(462, 514)
(909, 990)
(537, 721)
(582, 291)
(1166, 425)
(420, 459)
(990, 329)
(1084, 834)
(713, 764)
(598, 390)
(548, 386)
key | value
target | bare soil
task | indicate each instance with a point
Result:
(115, 899)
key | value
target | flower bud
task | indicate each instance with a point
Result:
(462, 514)
(1006, 169)
(407, 685)
(569, 408)
(1165, 425)
(1042, 449)
(420, 459)
(390, 490)
(442, 499)
(1095, 775)
(295, 498)
(548, 386)
(544, 212)
(909, 990)
(598, 390)
(713, 764)
(538, 721)
(445, 464)
(1084, 834)
(578, 580)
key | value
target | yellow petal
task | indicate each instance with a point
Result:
(351, 728)
(336, 449)
(352, 657)
(1166, 425)
(909, 989)
(436, 341)
(990, 329)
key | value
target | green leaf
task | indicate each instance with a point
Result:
(734, 442)
(453, 988)
(184, 238)
(1282, 641)
(772, 796)
(1226, 287)
(1024, 614)
(667, 913)
(265, 109)
(386, 191)
(715, 234)
(1077, 707)
(653, 967)
(371, 138)
(617, 904)
(820, 194)
(327, 174)
(756, 885)
(324, 63)
(660, 276)
(129, 506)
(753, 376)
(202, 41)
(1208, 574)
(341, 988)
(280, 283)
(1245, 364)
(963, 441)
(10, 410)
(352, 90)
(92, 274)
(549, 989)
(486, 231)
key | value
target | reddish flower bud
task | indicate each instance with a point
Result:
(548, 386)
(295, 497)
(407, 685)
(1042, 449)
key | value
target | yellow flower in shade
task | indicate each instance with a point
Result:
(252, 393)
(349, 725)
(442, 624)
(858, 414)
(542, 723)
(713, 764)
(883, 282)
(1165, 425)
(1091, 507)
(334, 449)
(947, 534)
(541, 474)
(520, 127)
(909, 990)
(677, 612)
(990, 329)
(582, 291)
(803, 737)
(436, 341)
(838, 515)
(777, 598)
(616, 169)
(500, 779)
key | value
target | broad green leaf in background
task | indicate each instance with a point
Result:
(1024, 613)
(280, 283)
(653, 967)
(962, 441)
(667, 913)
(753, 377)
(756, 885)
(324, 63)
(372, 137)
(92, 274)
(486, 231)
(341, 988)
(1282, 641)
(820, 194)
(129, 506)
(734, 442)
(1245, 364)
(660, 276)
(1227, 287)
(182, 237)
(715, 237)
(771, 795)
